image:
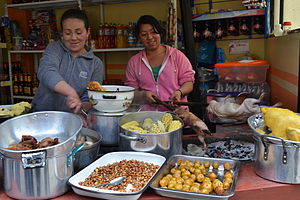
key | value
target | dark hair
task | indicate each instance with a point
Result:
(77, 14)
(148, 19)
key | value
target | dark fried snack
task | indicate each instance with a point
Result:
(29, 142)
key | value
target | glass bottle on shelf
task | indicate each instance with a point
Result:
(101, 37)
(258, 26)
(207, 33)
(232, 28)
(15, 84)
(119, 36)
(245, 26)
(219, 30)
(130, 37)
(35, 84)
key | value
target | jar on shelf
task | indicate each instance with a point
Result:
(119, 36)
(287, 27)
(101, 36)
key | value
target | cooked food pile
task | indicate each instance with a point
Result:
(15, 109)
(194, 176)
(282, 123)
(95, 86)
(231, 149)
(29, 142)
(136, 173)
(166, 124)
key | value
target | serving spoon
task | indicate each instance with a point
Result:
(114, 182)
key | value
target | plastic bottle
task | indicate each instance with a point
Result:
(277, 30)
(130, 37)
(287, 27)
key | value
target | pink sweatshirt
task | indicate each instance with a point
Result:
(175, 71)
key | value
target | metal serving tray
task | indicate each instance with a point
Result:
(193, 195)
(110, 158)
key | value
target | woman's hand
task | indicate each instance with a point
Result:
(176, 96)
(148, 96)
(74, 103)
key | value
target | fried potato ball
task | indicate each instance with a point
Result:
(217, 183)
(227, 166)
(186, 173)
(194, 189)
(215, 165)
(226, 185)
(206, 164)
(228, 180)
(228, 175)
(193, 176)
(219, 190)
(186, 187)
(207, 185)
(200, 178)
(204, 190)
(178, 186)
(212, 176)
(163, 182)
(180, 180)
(188, 182)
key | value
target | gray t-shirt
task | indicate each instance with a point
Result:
(57, 64)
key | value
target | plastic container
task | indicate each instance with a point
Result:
(287, 27)
(246, 71)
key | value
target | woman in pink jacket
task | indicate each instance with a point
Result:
(158, 70)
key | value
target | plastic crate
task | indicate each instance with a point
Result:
(254, 71)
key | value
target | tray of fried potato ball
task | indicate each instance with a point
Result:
(192, 177)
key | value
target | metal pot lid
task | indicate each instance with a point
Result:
(109, 114)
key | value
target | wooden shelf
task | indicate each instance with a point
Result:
(22, 97)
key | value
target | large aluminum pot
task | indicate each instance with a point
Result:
(165, 144)
(276, 159)
(106, 124)
(39, 173)
(116, 98)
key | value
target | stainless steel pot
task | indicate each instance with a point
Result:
(87, 154)
(165, 144)
(116, 98)
(39, 173)
(276, 159)
(106, 124)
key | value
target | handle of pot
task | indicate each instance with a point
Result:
(109, 97)
(134, 138)
(266, 140)
(33, 160)
(72, 154)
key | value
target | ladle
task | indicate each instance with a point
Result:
(114, 182)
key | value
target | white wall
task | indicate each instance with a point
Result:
(291, 12)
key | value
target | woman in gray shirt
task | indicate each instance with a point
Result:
(67, 66)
